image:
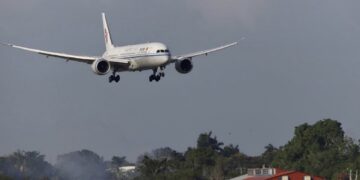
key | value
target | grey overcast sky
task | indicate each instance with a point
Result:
(299, 63)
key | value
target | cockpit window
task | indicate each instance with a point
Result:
(162, 51)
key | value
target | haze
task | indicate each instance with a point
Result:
(299, 63)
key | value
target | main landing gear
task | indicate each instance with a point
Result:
(114, 77)
(158, 76)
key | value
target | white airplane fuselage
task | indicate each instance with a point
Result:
(142, 56)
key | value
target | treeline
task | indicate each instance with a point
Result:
(321, 149)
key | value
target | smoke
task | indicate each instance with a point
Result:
(78, 165)
(81, 165)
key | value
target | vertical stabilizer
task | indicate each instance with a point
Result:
(107, 35)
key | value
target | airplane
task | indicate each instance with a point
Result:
(153, 56)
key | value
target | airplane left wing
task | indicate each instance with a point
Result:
(199, 53)
(68, 57)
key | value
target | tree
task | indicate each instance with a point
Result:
(230, 150)
(320, 149)
(153, 169)
(117, 161)
(26, 164)
(206, 141)
(269, 154)
(166, 153)
(208, 160)
(162, 163)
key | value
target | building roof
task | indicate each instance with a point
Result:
(292, 172)
(257, 178)
(283, 173)
(278, 173)
(240, 177)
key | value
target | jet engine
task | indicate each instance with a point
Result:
(101, 66)
(184, 66)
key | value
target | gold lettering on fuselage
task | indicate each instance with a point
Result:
(144, 49)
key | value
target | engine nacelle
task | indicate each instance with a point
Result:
(184, 66)
(101, 67)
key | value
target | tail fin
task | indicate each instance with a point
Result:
(107, 35)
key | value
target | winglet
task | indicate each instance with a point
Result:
(107, 34)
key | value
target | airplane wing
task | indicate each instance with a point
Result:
(68, 57)
(199, 53)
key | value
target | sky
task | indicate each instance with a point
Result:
(298, 64)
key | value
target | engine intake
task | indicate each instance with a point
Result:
(101, 67)
(184, 66)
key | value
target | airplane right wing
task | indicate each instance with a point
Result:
(68, 57)
(205, 52)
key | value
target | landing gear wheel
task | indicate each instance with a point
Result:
(111, 78)
(157, 78)
(117, 78)
(151, 78)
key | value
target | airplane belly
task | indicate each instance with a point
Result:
(150, 62)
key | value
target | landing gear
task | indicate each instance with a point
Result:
(154, 78)
(158, 76)
(114, 77)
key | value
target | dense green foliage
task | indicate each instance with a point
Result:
(208, 160)
(23, 165)
(320, 149)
